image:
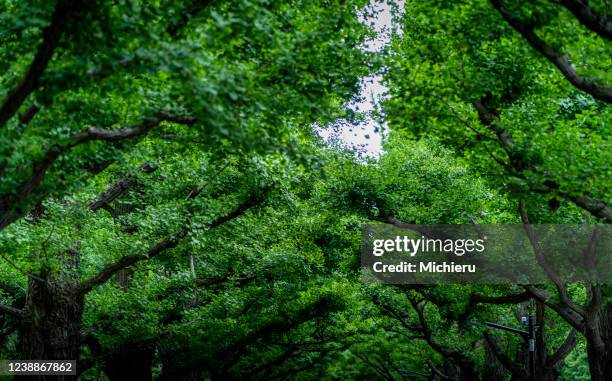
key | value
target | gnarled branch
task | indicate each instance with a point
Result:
(588, 85)
(517, 163)
(569, 315)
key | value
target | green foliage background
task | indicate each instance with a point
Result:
(220, 100)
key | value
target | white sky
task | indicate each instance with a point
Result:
(366, 137)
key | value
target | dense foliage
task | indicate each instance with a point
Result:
(169, 212)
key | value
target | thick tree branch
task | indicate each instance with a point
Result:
(588, 85)
(96, 133)
(569, 315)
(561, 353)
(476, 299)
(516, 371)
(456, 356)
(543, 262)
(399, 316)
(517, 164)
(64, 10)
(596, 207)
(588, 17)
(41, 166)
(29, 114)
(10, 310)
(168, 242)
(490, 119)
(118, 188)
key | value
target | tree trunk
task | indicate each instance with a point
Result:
(133, 363)
(51, 326)
(599, 343)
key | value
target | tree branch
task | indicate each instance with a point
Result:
(596, 207)
(118, 188)
(279, 324)
(588, 85)
(168, 242)
(542, 261)
(490, 119)
(476, 299)
(291, 351)
(569, 315)
(428, 336)
(561, 353)
(11, 310)
(64, 10)
(41, 166)
(517, 164)
(107, 272)
(516, 371)
(29, 114)
(437, 371)
(588, 17)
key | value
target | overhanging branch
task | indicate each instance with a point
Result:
(517, 164)
(588, 85)
(476, 299)
(168, 242)
(588, 17)
(64, 10)
(41, 166)
(569, 315)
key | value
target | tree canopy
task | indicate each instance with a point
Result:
(169, 210)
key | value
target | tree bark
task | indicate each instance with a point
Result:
(598, 333)
(51, 324)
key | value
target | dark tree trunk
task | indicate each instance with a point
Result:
(51, 326)
(599, 343)
(133, 363)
